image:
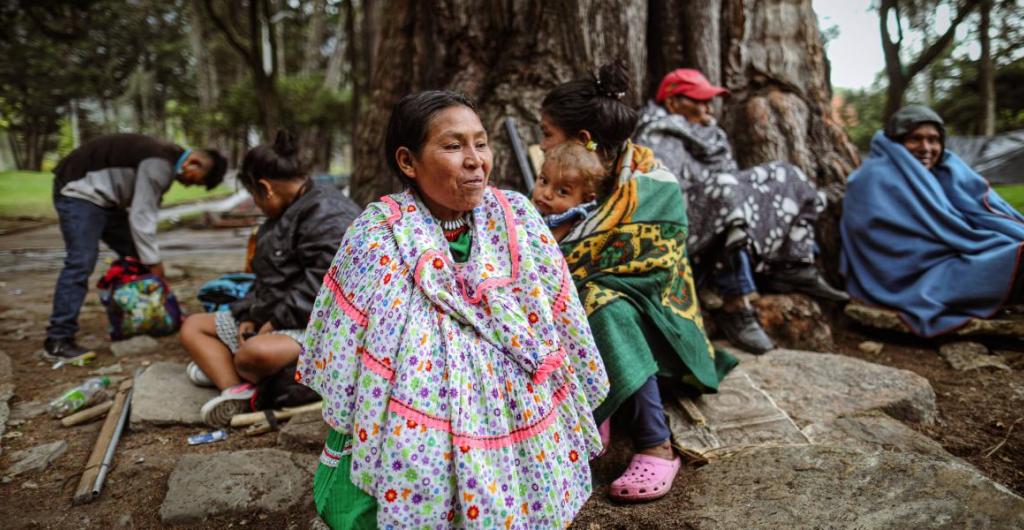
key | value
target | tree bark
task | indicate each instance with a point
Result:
(315, 37)
(506, 57)
(987, 71)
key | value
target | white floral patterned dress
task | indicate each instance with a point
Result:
(468, 388)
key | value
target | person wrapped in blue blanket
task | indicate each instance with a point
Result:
(924, 234)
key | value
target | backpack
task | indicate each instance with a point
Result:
(282, 390)
(137, 301)
(217, 294)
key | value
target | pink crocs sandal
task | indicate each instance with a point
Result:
(647, 478)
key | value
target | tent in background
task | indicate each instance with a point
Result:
(999, 158)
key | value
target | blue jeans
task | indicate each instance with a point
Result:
(737, 277)
(83, 225)
(643, 415)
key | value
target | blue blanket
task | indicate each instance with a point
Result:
(938, 246)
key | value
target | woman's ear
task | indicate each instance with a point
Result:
(404, 158)
(268, 190)
(583, 136)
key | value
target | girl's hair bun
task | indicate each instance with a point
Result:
(613, 80)
(285, 144)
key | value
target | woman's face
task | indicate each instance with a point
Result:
(453, 165)
(925, 143)
(693, 110)
(551, 134)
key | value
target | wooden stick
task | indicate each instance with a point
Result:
(83, 416)
(84, 492)
(249, 418)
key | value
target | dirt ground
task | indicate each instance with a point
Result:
(981, 413)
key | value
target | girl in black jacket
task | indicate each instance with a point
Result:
(262, 333)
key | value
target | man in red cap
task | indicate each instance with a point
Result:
(740, 221)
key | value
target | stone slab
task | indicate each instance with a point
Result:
(739, 415)
(140, 345)
(35, 458)
(875, 431)
(1011, 326)
(304, 432)
(163, 395)
(818, 387)
(964, 356)
(242, 482)
(829, 487)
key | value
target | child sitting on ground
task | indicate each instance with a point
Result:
(261, 334)
(570, 183)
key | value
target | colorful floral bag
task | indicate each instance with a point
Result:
(138, 302)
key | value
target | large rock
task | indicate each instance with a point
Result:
(818, 387)
(1011, 326)
(35, 458)
(306, 431)
(242, 482)
(831, 487)
(795, 321)
(163, 395)
(874, 431)
(140, 345)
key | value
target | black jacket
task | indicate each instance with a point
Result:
(292, 255)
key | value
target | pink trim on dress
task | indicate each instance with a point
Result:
(550, 364)
(513, 249)
(375, 365)
(482, 442)
(347, 306)
(563, 292)
(396, 211)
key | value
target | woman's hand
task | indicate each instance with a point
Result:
(245, 330)
(267, 327)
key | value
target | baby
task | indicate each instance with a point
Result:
(568, 186)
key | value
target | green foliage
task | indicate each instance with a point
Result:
(305, 105)
(862, 114)
(960, 104)
(1013, 194)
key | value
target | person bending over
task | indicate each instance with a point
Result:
(109, 189)
(261, 334)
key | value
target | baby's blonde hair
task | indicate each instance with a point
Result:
(575, 156)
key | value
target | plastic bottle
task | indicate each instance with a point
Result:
(78, 397)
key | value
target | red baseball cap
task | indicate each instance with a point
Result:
(687, 82)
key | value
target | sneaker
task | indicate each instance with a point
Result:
(743, 330)
(232, 400)
(63, 350)
(197, 376)
(806, 280)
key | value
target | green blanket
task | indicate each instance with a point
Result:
(628, 260)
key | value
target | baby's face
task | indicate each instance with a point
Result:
(559, 188)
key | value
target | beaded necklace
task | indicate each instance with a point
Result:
(454, 228)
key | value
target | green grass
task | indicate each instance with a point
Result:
(28, 193)
(1013, 194)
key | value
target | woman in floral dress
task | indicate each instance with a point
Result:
(457, 368)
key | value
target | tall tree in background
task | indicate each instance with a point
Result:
(505, 56)
(907, 15)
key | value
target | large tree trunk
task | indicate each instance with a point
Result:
(770, 56)
(506, 57)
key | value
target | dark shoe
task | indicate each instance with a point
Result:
(743, 330)
(63, 350)
(806, 280)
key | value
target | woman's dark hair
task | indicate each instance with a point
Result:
(279, 161)
(410, 123)
(595, 104)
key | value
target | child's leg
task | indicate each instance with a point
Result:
(263, 355)
(199, 337)
(644, 414)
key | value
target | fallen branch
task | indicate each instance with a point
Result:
(1005, 438)
(83, 416)
(249, 418)
(91, 483)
